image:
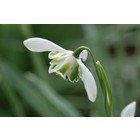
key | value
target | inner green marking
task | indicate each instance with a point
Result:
(54, 53)
(53, 66)
(74, 74)
(64, 68)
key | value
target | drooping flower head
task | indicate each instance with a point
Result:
(65, 64)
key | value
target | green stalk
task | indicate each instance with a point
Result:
(106, 89)
(102, 80)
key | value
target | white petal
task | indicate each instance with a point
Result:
(41, 45)
(83, 55)
(88, 81)
(129, 110)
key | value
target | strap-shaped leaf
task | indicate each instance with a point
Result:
(39, 95)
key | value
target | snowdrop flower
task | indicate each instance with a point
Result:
(129, 110)
(64, 63)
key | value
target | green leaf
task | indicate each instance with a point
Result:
(43, 99)
(14, 102)
(52, 96)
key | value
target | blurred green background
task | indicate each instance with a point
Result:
(26, 88)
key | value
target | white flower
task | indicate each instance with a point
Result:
(65, 64)
(129, 110)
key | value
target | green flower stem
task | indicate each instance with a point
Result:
(102, 80)
(106, 89)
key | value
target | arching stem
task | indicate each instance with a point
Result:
(102, 80)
